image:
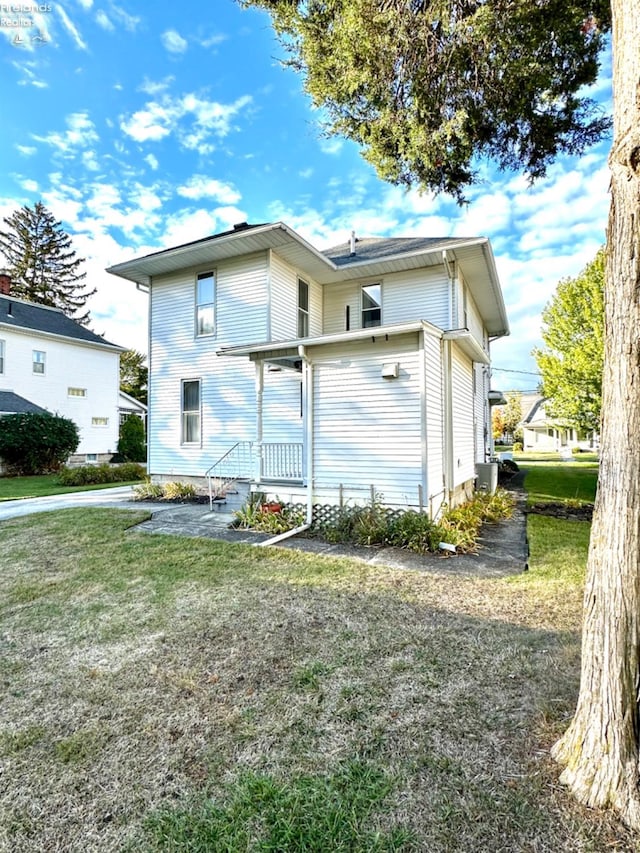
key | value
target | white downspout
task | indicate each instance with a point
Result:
(259, 428)
(308, 368)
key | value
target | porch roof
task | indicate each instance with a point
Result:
(265, 350)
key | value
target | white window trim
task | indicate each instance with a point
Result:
(34, 362)
(377, 283)
(183, 441)
(71, 388)
(198, 305)
(303, 312)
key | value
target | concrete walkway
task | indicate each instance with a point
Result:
(502, 547)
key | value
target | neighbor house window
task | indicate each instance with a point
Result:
(205, 303)
(99, 422)
(190, 411)
(371, 305)
(1, 356)
(77, 392)
(303, 308)
(39, 358)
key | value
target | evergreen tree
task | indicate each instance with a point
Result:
(42, 263)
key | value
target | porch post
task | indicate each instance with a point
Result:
(259, 398)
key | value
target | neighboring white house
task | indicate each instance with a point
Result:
(128, 405)
(544, 434)
(49, 361)
(322, 376)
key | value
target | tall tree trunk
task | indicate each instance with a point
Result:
(600, 750)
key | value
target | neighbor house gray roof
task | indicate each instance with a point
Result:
(13, 404)
(18, 314)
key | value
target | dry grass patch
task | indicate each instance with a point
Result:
(162, 693)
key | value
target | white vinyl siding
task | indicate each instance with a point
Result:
(412, 295)
(281, 406)
(227, 388)
(367, 429)
(284, 301)
(434, 425)
(462, 426)
(68, 365)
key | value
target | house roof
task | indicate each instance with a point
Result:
(373, 257)
(14, 404)
(18, 314)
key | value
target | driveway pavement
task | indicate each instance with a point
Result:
(502, 550)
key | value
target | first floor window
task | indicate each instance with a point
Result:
(303, 308)
(190, 411)
(100, 422)
(205, 303)
(371, 305)
(1, 356)
(77, 392)
(39, 358)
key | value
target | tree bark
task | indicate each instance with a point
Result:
(600, 750)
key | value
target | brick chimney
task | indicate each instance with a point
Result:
(5, 284)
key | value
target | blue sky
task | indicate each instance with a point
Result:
(146, 125)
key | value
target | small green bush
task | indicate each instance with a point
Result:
(255, 516)
(517, 447)
(35, 443)
(148, 491)
(178, 491)
(88, 475)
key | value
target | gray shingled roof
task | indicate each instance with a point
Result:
(27, 315)
(377, 248)
(13, 404)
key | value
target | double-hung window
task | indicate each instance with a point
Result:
(303, 308)
(371, 305)
(205, 303)
(1, 356)
(39, 359)
(190, 411)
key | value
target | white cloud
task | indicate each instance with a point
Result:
(152, 162)
(129, 22)
(200, 186)
(174, 42)
(205, 119)
(185, 226)
(80, 133)
(213, 40)
(26, 150)
(28, 184)
(104, 21)
(333, 145)
(71, 28)
(86, 4)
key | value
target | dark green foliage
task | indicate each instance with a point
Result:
(134, 374)
(36, 443)
(87, 475)
(261, 814)
(42, 263)
(131, 443)
(427, 88)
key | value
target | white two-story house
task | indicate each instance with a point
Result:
(322, 376)
(49, 362)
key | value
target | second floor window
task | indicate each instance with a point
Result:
(371, 305)
(205, 303)
(1, 356)
(190, 411)
(39, 359)
(303, 308)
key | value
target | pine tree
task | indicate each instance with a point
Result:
(42, 263)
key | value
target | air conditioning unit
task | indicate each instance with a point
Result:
(487, 477)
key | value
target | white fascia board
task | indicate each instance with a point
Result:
(66, 339)
(468, 344)
(272, 347)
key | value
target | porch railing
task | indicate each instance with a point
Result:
(282, 461)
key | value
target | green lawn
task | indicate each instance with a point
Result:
(15, 488)
(549, 479)
(171, 694)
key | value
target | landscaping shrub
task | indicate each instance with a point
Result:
(131, 443)
(88, 475)
(256, 515)
(36, 443)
